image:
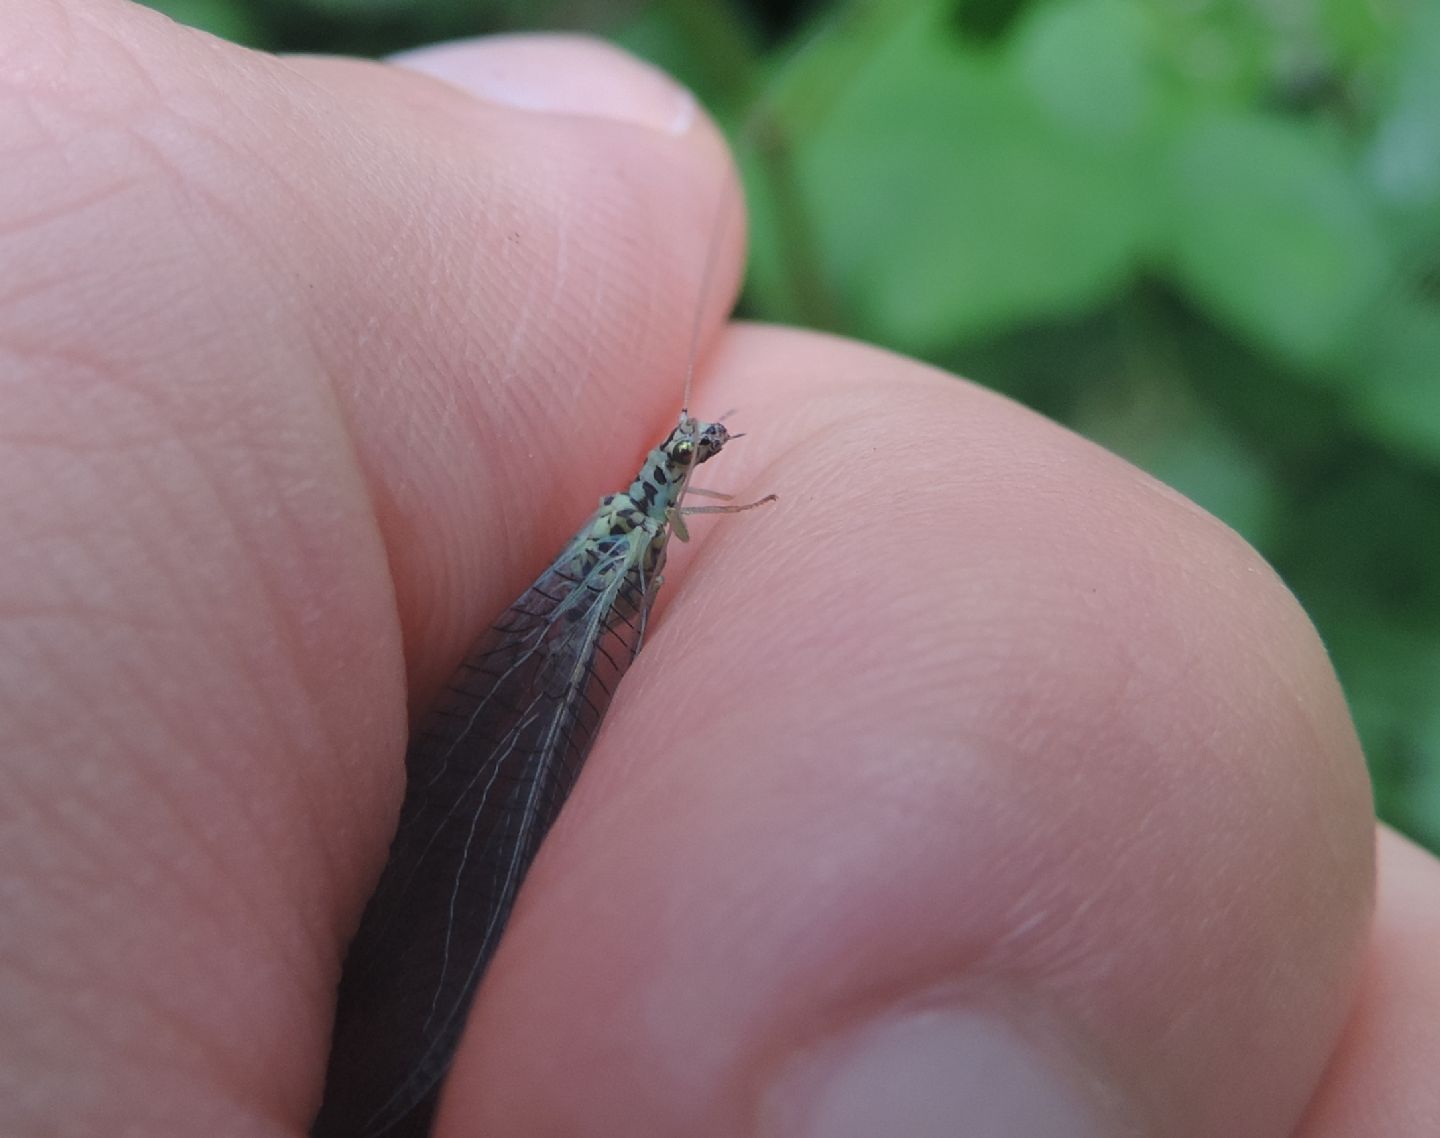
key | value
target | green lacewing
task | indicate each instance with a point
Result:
(486, 775)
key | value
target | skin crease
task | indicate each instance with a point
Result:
(975, 714)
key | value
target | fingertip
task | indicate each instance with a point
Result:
(567, 234)
(365, 348)
(977, 718)
(561, 74)
(1382, 1077)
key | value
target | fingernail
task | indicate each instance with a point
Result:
(560, 75)
(932, 1073)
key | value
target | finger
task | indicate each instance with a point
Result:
(979, 782)
(1382, 1079)
(287, 344)
(565, 267)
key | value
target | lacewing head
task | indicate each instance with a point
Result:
(691, 443)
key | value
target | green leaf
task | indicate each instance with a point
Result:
(1403, 163)
(1088, 64)
(947, 204)
(227, 19)
(1391, 673)
(1396, 391)
(1217, 471)
(1272, 234)
(1354, 31)
(1217, 51)
(1419, 802)
(358, 9)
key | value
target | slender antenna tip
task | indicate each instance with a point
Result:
(707, 272)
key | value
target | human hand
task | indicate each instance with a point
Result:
(981, 774)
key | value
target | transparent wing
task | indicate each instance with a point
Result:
(486, 775)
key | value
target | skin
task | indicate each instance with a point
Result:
(309, 365)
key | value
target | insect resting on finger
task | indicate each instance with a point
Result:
(486, 775)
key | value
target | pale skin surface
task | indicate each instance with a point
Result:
(307, 366)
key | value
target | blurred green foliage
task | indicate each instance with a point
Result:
(1205, 233)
